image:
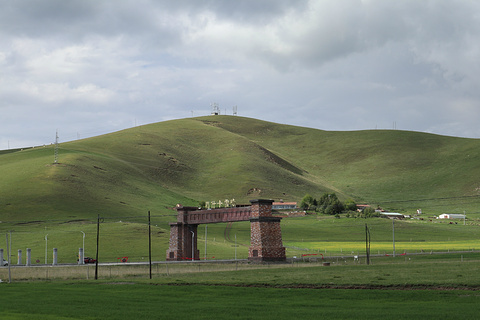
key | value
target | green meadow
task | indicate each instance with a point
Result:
(113, 301)
(417, 289)
(310, 235)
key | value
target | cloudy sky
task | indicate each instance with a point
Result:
(88, 67)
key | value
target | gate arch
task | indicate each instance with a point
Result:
(265, 232)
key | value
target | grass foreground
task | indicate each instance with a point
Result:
(137, 301)
(425, 287)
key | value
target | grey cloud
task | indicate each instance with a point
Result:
(335, 65)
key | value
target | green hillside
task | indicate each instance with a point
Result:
(156, 166)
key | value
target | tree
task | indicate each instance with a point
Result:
(369, 212)
(308, 202)
(335, 207)
(350, 205)
(330, 204)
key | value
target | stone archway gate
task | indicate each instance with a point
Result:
(265, 233)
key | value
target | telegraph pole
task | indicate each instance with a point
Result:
(150, 244)
(96, 257)
(9, 262)
(367, 243)
(393, 224)
(46, 248)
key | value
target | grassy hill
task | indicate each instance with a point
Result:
(121, 176)
(156, 166)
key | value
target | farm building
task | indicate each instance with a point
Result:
(284, 205)
(392, 215)
(451, 216)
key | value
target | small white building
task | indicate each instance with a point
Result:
(451, 216)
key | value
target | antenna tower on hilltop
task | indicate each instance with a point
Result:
(215, 109)
(55, 161)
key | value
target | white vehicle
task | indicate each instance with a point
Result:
(5, 262)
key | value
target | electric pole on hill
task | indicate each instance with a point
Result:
(55, 161)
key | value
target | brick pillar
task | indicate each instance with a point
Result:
(266, 234)
(180, 244)
(175, 250)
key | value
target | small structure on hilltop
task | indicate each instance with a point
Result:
(215, 109)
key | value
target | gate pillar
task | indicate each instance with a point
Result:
(265, 233)
(183, 237)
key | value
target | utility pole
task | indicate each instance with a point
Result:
(8, 253)
(96, 257)
(149, 244)
(367, 243)
(46, 248)
(83, 247)
(10, 233)
(393, 224)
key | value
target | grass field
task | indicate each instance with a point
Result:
(386, 289)
(140, 301)
(314, 234)
(295, 271)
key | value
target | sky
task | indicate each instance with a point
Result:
(89, 67)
